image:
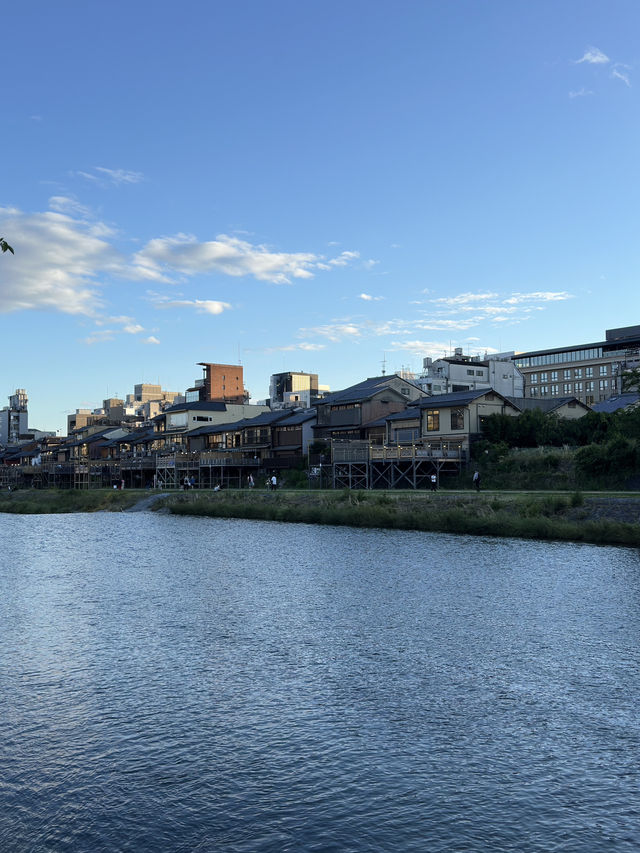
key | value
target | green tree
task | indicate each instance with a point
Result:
(5, 246)
(631, 380)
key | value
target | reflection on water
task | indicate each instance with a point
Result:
(196, 684)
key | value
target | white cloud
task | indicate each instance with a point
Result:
(63, 257)
(57, 263)
(367, 297)
(344, 258)
(150, 340)
(162, 257)
(202, 306)
(133, 328)
(593, 56)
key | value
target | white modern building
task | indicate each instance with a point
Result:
(471, 373)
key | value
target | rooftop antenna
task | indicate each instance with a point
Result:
(384, 364)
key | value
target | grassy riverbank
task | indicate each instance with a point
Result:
(31, 501)
(552, 516)
(611, 519)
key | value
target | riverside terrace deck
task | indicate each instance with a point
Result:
(351, 464)
(361, 465)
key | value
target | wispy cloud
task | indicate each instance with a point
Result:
(150, 340)
(621, 75)
(581, 93)
(335, 332)
(303, 346)
(115, 177)
(367, 297)
(593, 56)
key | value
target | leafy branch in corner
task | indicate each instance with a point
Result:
(5, 246)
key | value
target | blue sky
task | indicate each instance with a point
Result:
(314, 186)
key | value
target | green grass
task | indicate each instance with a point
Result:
(31, 501)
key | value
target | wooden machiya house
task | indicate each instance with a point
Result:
(349, 414)
(265, 444)
(432, 436)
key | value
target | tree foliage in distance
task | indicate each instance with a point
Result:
(631, 380)
(5, 246)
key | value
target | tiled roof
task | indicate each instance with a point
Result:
(620, 401)
(546, 404)
(363, 390)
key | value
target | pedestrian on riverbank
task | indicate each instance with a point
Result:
(274, 483)
(476, 480)
(434, 483)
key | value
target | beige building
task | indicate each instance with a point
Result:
(590, 372)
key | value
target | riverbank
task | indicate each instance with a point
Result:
(598, 518)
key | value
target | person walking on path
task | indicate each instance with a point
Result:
(476, 480)
(434, 483)
(274, 483)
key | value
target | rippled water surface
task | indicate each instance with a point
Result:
(176, 684)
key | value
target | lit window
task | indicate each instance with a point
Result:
(433, 420)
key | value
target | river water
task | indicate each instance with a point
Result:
(185, 684)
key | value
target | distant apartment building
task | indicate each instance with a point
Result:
(148, 393)
(471, 373)
(295, 388)
(221, 383)
(14, 418)
(145, 403)
(590, 372)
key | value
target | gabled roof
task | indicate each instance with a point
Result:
(264, 419)
(364, 390)
(457, 398)
(545, 404)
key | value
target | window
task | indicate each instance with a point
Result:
(554, 390)
(469, 372)
(588, 386)
(479, 372)
(533, 392)
(566, 374)
(433, 420)
(544, 390)
(457, 419)
(566, 388)
(604, 384)
(577, 388)
(544, 377)
(604, 370)
(534, 378)
(554, 375)
(588, 372)
(577, 373)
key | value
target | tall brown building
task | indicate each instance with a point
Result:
(221, 383)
